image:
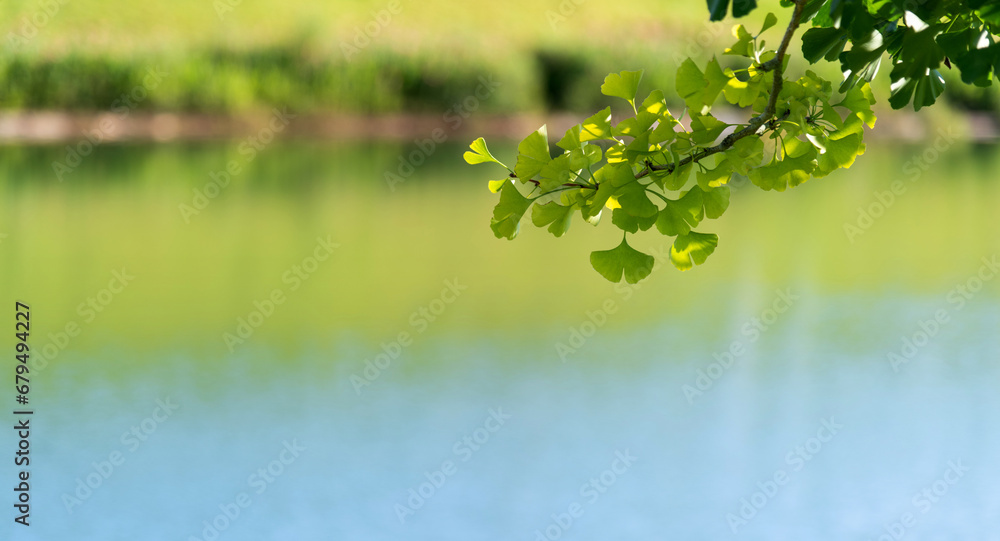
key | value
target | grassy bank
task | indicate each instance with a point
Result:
(358, 56)
(380, 81)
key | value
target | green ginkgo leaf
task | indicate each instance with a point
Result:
(745, 154)
(496, 185)
(557, 217)
(716, 201)
(597, 126)
(571, 140)
(700, 89)
(508, 212)
(623, 260)
(479, 153)
(859, 100)
(717, 176)
(769, 20)
(841, 147)
(679, 216)
(532, 154)
(692, 249)
(744, 44)
(632, 224)
(622, 85)
(794, 169)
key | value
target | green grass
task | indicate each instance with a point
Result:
(117, 26)
(427, 57)
(261, 54)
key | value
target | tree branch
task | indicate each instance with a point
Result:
(765, 119)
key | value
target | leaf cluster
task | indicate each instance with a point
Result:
(651, 169)
(919, 39)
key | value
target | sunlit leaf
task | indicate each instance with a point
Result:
(622, 85)
(532, 154)
(692, 249)
(479, 153)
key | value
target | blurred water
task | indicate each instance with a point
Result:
(343, 458)
(895, 433)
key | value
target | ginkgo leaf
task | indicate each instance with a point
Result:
(584, 157)
(679, 216)
(653, 110)
(633, 199)
(717, 176)
(571, 140)
(818, 42)
(706, 128)
(627, 222)
(700, 89)
(623, 260)
(745, 154)
(495, 185)
(532, 154)
(717, 8)
(508, 212)
(716, 201)
(744, 44)
(676, 179)
(794, 169)
(557, 217)
(597, 126)
(769, 20)
(479, 153)
(859, 100)
(692, 249)
(744, 93)
(841, 147)
(622, 85)
(556, 172)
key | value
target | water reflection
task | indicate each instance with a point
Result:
(756, 393)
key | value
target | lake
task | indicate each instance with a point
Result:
(298, 351)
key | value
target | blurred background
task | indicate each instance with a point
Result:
(266, 302)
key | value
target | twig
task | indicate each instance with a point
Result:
(756, 123)
(766, 120)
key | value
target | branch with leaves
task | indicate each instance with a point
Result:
(640, 169)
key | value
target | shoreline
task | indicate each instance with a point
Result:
(54, 127)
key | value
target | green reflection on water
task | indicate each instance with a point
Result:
(120, 209)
